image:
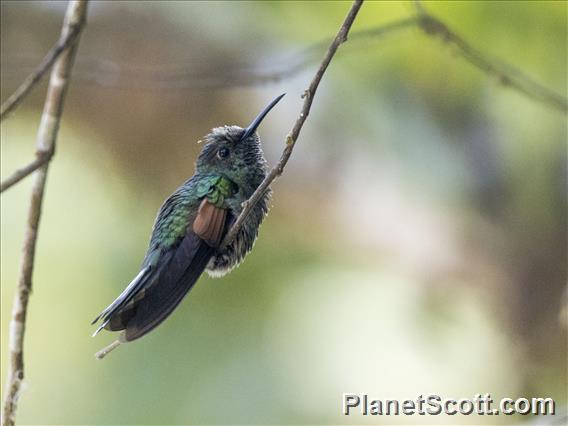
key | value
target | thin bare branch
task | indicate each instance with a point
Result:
(31, 80)
(18, 175)
(107, 349)
(292, 137)
(174, 77)
(110, 74)
(46, 137)
(507, 75)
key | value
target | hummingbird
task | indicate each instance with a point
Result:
(189, 229)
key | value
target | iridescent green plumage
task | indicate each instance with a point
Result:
(217, 189)
(178, 212)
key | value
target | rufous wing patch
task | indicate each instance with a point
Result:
(209, 223)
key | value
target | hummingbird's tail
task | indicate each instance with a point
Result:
(155, 292)
(129, 292)
(157, 302)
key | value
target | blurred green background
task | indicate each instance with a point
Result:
(416, 243)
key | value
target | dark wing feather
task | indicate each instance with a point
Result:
(158, 301)
(119, 317)
(179, 269)
(129, 292)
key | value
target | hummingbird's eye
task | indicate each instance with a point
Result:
(223, 153)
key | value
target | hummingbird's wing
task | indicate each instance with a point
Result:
(209, 223)
(155, 303)
(169, 273)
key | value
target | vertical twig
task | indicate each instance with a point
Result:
(308, 96)
(45, 145)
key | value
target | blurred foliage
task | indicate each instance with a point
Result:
(417, 241)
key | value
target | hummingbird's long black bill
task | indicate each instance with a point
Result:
(256, 122)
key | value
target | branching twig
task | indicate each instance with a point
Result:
(47, 133)
(507, 75)
(18, 175)
(180, 77)
(292, 137)
(13, 101)
(110, 74)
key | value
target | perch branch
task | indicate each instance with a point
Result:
(31, 80)
(75, 17)
(107, 349)
(292, 137)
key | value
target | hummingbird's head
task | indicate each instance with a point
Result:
(235, 152)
